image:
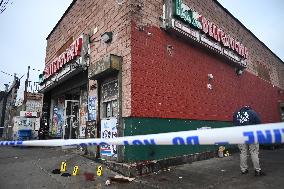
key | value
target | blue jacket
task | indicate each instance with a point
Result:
(246, 116)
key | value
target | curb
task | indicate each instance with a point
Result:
(153, 166)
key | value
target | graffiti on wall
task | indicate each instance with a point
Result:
(58, 117)
(109, 130)
(91, 129)
(83, 113)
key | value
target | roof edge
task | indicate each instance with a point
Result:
(226, 10)
(67, 10)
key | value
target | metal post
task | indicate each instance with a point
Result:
(24, 108)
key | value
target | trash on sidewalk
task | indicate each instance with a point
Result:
(227, 154)
(221, 151)
(107, 182)
(89, 176)
(119, 178)
(66, 175)
(223, 170)
(180, 177)
(56, 171)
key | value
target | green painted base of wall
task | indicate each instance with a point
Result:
(141, 126)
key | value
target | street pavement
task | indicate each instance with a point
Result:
(31, 168)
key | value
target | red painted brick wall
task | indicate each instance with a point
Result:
(175, 86)
(259, 55)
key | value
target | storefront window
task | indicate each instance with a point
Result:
(111, 108)
(109, 99)
(114, 108)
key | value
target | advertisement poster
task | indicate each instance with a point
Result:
(82, 131)
(109, 130)
(92, 108)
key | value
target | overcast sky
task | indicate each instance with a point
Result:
(25, 24)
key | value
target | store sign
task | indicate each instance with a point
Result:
(204, 26)
(186, 14)
(28, 114)
(69, 54)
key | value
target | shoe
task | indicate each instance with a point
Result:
(244, 172)
(259, 173)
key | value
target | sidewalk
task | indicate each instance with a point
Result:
(32, 168)
(222, 173)
(213, 173)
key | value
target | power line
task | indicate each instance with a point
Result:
(35, 69)
(3, 5)
(6, 73)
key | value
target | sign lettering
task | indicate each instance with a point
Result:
(193, 18)
(69, 54)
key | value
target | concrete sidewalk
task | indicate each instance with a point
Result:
(222, 173)
(32, 168)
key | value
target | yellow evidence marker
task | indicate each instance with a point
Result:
(75, 170)
(63, 166)
(100, 171)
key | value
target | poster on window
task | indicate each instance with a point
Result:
(92, 108)
(109, 130)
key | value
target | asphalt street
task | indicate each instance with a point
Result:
(31, 168)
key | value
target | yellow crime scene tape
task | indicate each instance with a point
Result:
(263, 134)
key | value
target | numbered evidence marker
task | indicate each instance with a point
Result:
(63, 166)
(100, 171)
(75, 170)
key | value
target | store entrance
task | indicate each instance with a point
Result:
(71, 121)
(109, 115)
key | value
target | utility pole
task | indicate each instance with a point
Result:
(25, 92)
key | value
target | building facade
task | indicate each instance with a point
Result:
(140, 67)
(8, 109)
(3, 100)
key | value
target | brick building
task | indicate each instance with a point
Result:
(121, 68)
(8, 109)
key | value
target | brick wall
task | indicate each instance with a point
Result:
(105, 15)
(258, 53)
(172, 83)
(153, 58)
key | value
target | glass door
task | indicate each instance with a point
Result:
(71, 120)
